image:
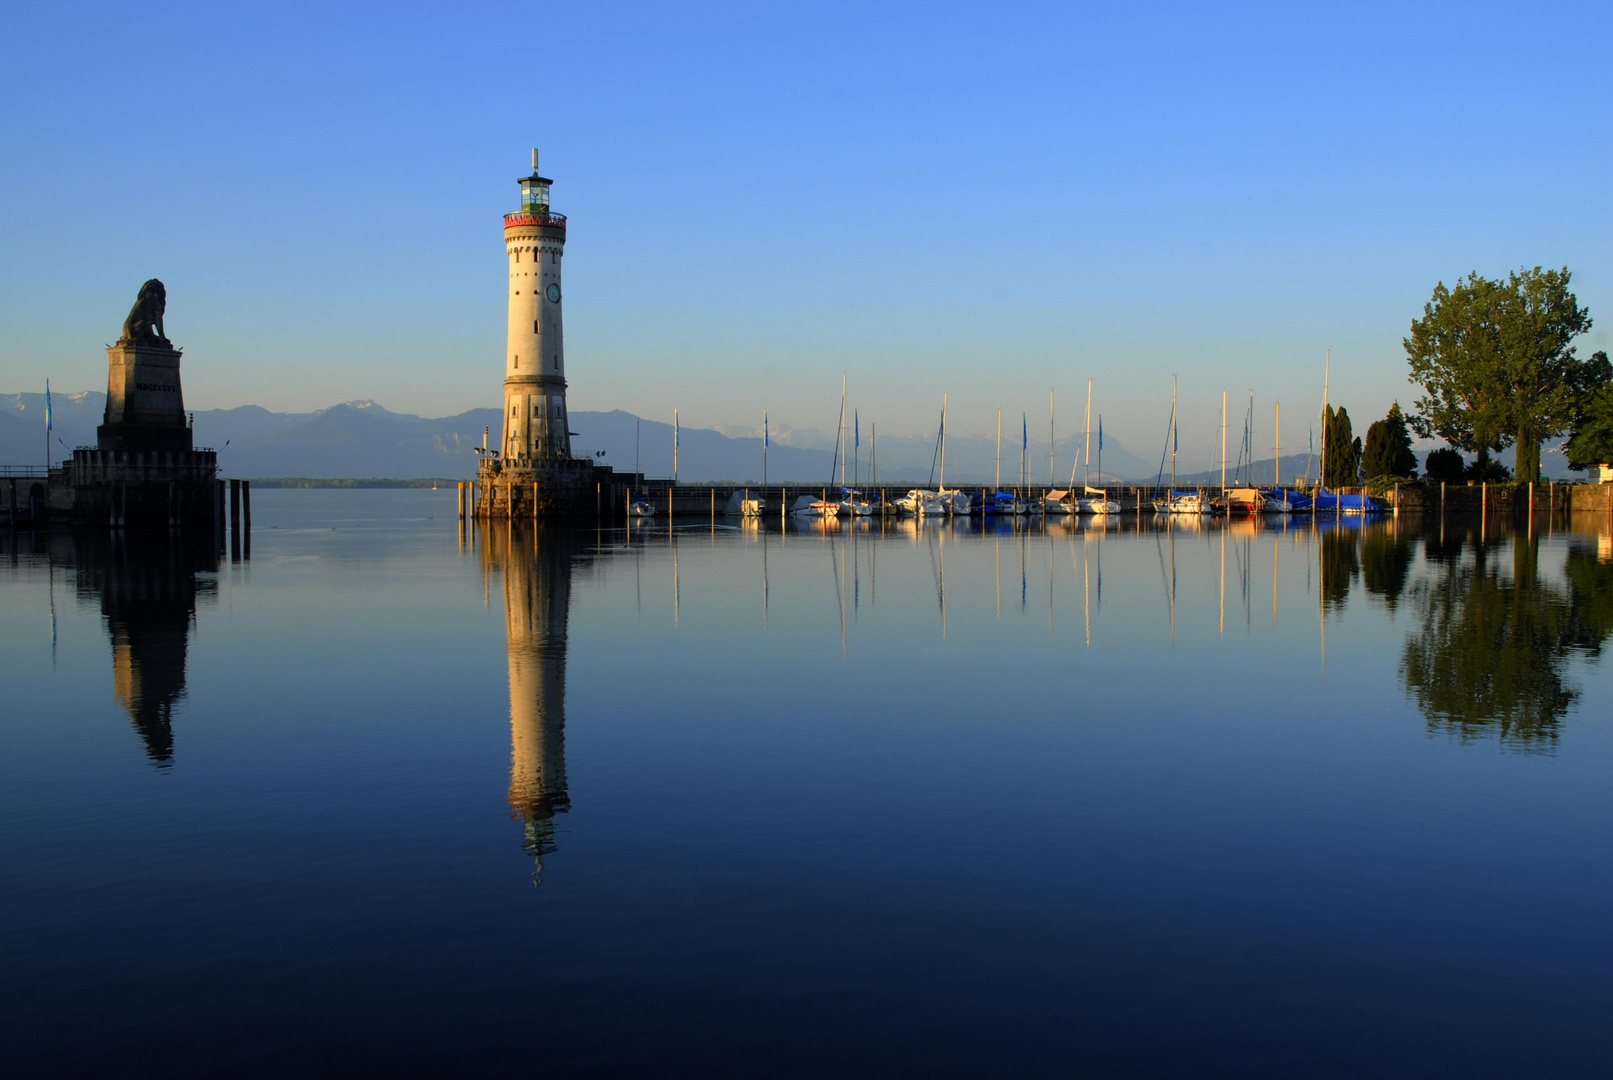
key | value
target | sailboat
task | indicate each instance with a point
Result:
(638, 506)
(1279, 500)
(1056, 502)
(955, 502)
(1178, 502)
(851, 502)
(1094, 500)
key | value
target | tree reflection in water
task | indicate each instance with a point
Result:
(1492, 651)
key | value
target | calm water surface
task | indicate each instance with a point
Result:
(384, 799)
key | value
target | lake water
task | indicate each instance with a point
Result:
(388, 799)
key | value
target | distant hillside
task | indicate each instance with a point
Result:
(363, 439)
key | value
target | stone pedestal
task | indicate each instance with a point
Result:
(145, 408)
(538, 489)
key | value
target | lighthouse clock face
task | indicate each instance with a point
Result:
(553, 293)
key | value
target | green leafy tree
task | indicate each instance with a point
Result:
(1444, 464)
(1388, 447)
(1343, 449)
(1592, 444)
(1497, 366)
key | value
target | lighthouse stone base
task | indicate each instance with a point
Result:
(543, 489)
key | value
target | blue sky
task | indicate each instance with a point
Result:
(987, 200)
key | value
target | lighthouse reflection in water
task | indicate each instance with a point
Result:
(533, 567)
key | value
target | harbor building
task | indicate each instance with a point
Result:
(531, 471)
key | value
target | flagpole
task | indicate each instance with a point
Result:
(47, 428)
(675, 441)
(764, 446)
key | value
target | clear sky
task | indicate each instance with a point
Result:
(982, 199)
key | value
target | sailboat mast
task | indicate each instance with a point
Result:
(1052, 476)
(765, 441)
(1086, 477)
(1277, 465)
(999, 448)
(1327, 375)
(1173, 439)
(1223, 442)
(943, 442)
(842, 433)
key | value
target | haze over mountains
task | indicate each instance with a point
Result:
(361, 439)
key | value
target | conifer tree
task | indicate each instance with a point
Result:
(1388, 447)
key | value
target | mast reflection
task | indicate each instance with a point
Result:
(535, 565)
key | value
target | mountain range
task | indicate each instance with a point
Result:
(361, 439)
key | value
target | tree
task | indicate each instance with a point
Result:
(1487, 469)
(1592, 444)
(1444, 464)
(1343, 449)
(1497, 365)
(1388, 447)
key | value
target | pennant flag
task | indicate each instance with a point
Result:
(856, 430)
(1100, 431)
(47, 405)
(1024, 433)
(765, 442)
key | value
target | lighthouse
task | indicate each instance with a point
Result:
(531, 471)
(535, 360)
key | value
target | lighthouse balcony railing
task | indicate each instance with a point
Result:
(542, 217)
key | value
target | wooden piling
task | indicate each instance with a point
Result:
(246, 505)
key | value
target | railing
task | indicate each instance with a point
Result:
(32, 471)
(557, 221)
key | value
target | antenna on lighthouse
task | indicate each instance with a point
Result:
(534, 161)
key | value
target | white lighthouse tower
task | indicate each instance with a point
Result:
(535, 354)
(531, 471)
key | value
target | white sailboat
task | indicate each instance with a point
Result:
(1093, 500)
(952, 502)
(1179, 502)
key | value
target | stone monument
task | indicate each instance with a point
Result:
(144, 468)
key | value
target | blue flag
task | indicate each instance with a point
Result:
(765, 442)
(47, 405)
(1100, 431)
(856, 430)
(1024, 433)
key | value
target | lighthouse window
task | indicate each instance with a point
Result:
(534, 326)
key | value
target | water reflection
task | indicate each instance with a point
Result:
(1496, 639)
(147, 586)
(535, 566)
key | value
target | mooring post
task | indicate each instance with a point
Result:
(246, 505)
(460, 489)
(534, 500)
(235, 506)
(1484, 498)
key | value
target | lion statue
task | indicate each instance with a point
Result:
(144, 324)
